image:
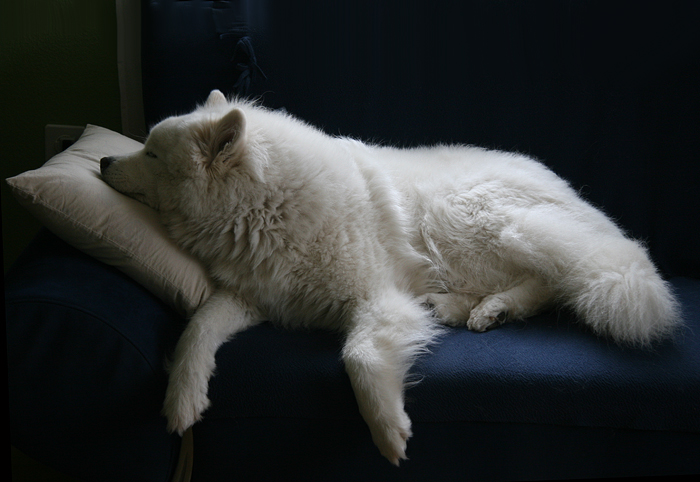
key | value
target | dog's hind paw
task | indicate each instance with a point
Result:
(391, 440)
(393, 445)
(491, 312)
(451, 309)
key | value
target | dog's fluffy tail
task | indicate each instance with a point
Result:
(617, 291)
(608, 279)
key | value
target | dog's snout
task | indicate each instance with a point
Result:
(105, 162)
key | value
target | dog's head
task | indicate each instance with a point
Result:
(185, 156)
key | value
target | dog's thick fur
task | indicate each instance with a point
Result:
(305, 229)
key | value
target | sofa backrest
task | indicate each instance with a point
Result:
(605, 93)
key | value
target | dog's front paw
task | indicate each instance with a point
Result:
(491, 312)
(183, 407)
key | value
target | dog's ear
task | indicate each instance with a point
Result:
(222, 142)
(228, 136)
(215, 98)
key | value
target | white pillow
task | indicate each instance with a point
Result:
(68, 196)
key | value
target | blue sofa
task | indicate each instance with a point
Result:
(586, 86)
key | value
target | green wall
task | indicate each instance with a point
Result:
(58, 65)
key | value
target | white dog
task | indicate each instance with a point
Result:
(305, 229)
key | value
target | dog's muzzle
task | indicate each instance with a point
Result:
(105, 162)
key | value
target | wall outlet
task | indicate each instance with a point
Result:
(58, 138)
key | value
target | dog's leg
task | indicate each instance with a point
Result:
(451, 309)
(219, 318)
(521, 301)
(381, 344)
(378, 386)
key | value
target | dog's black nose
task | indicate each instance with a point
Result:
(105, 163)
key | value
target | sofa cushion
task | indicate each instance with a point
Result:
(545, 370)
(540, 399)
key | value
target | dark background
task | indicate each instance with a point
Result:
(605, 93)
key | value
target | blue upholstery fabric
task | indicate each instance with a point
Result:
(85, 354)
(534, 400)
(338, 450)
(537, 399)
(546, 370)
